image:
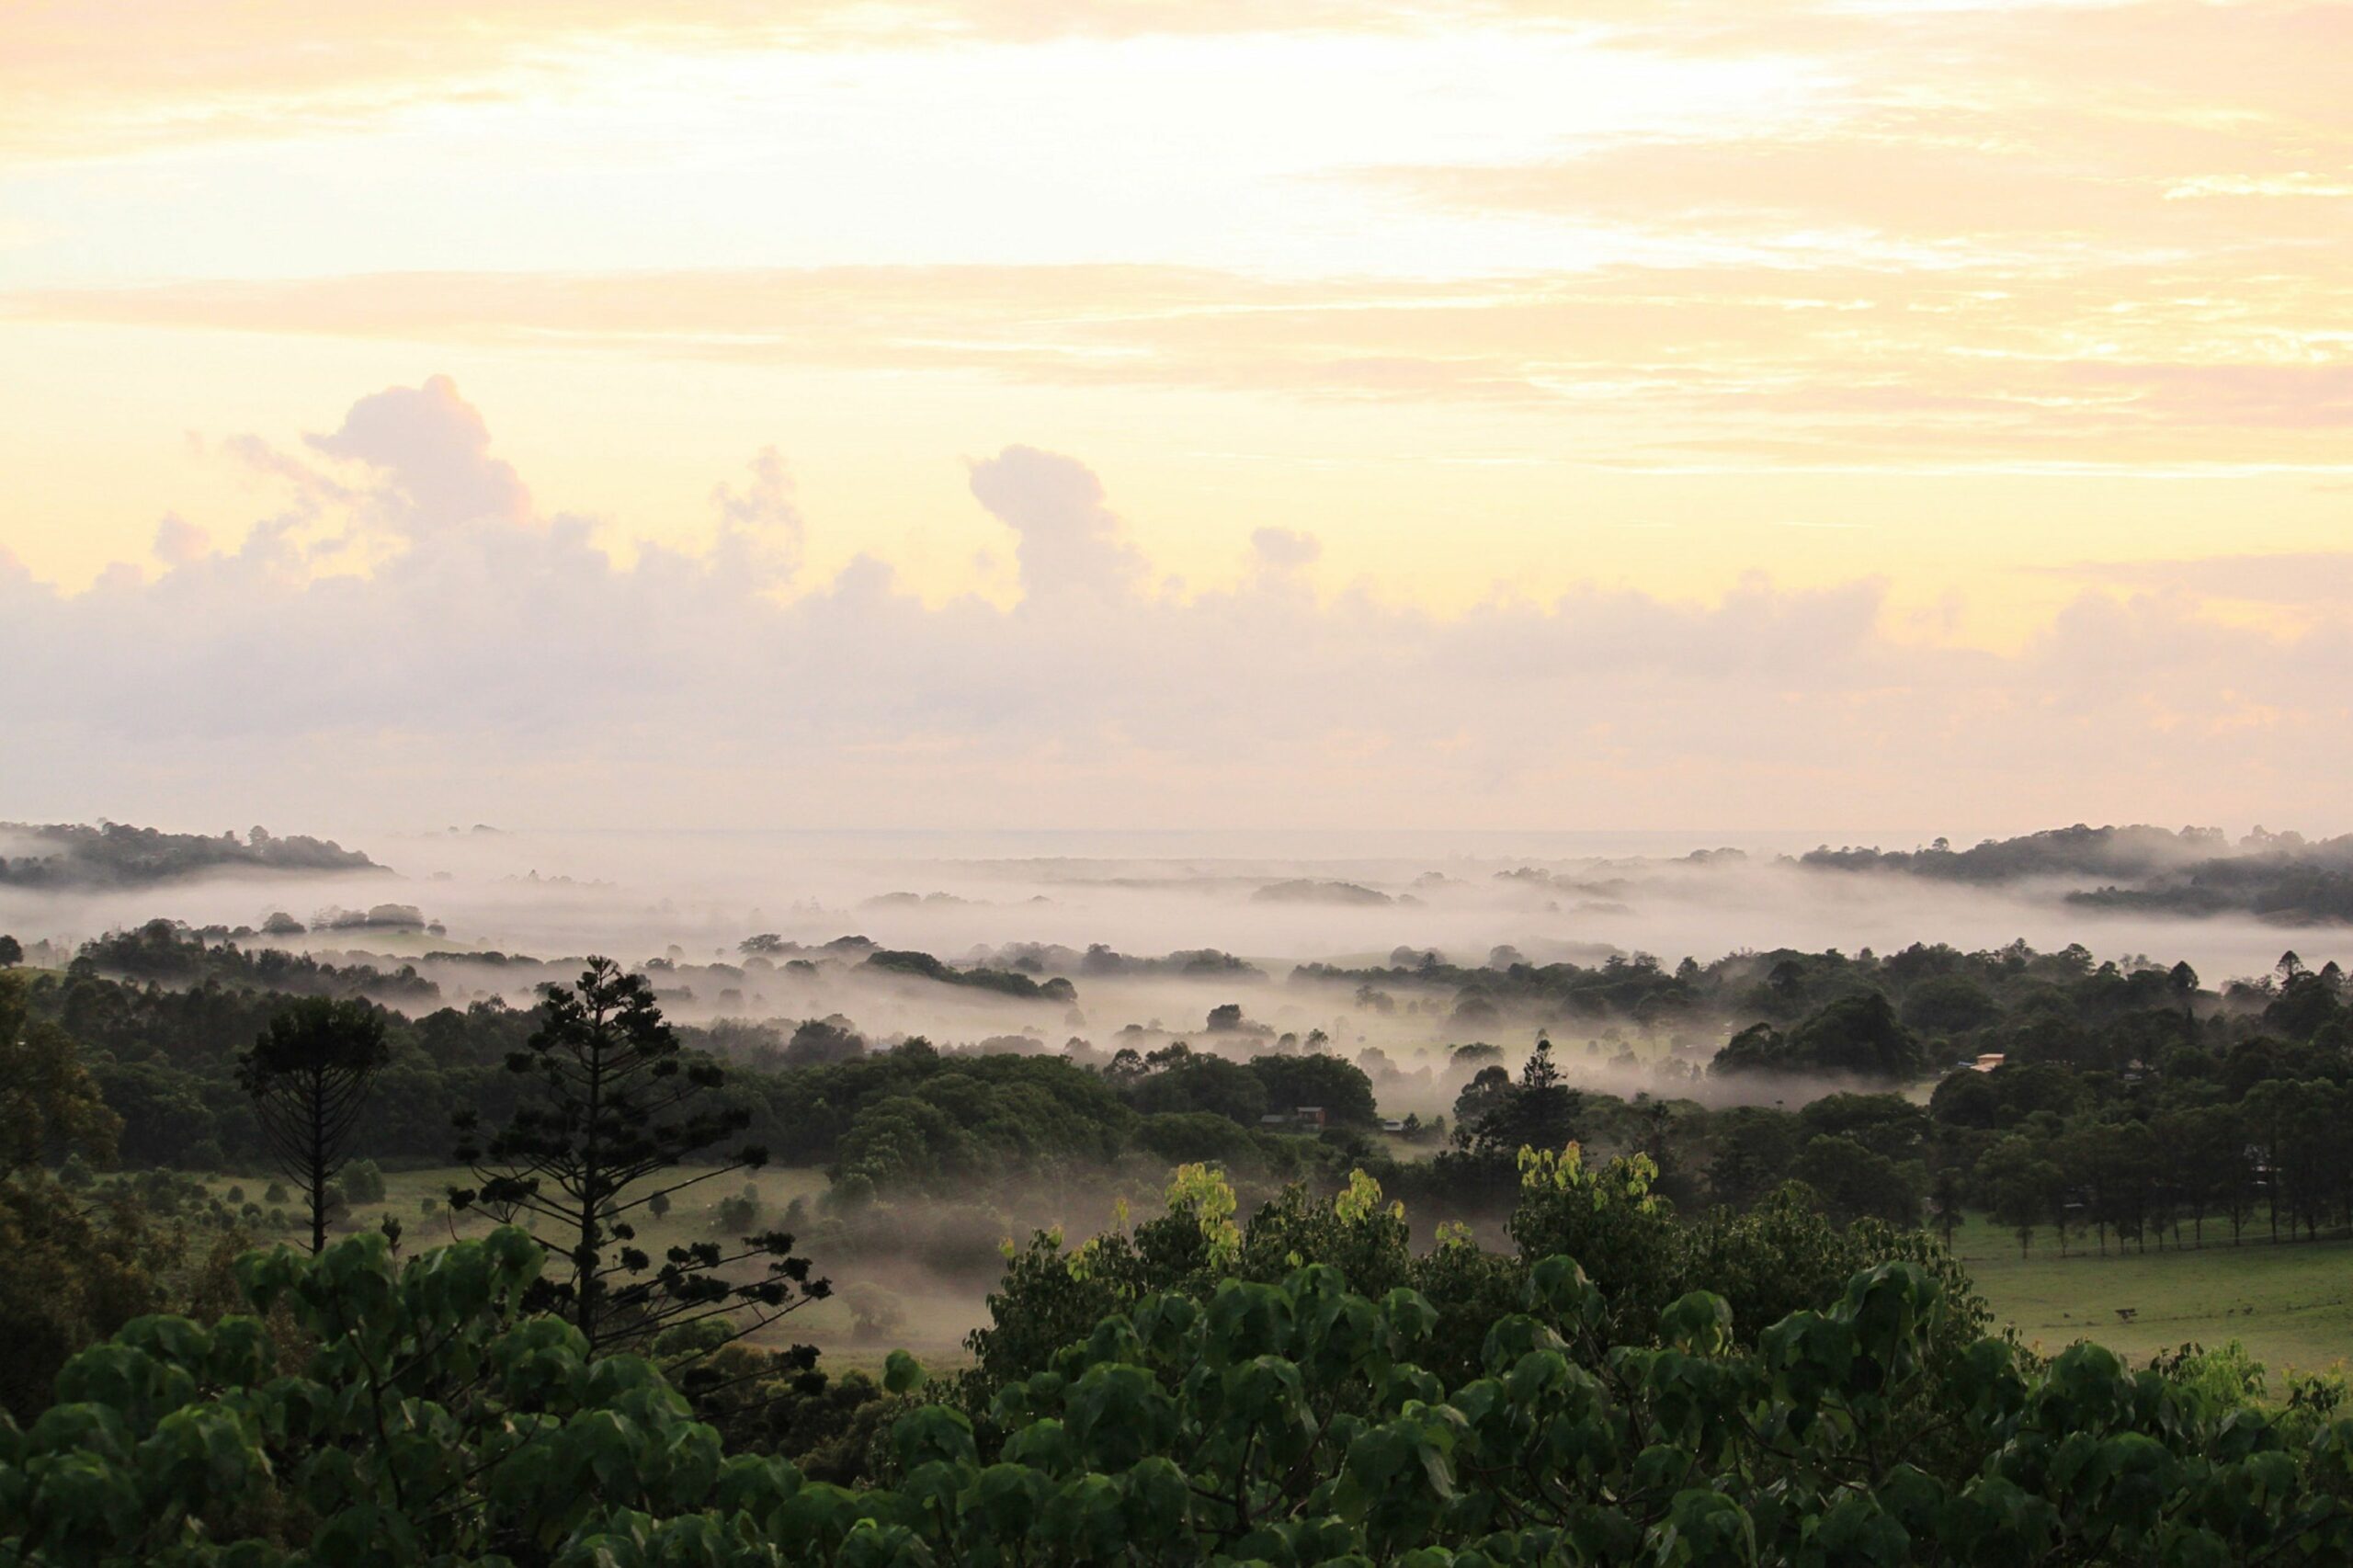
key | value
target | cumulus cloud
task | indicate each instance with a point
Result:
(1071, 544)
(433, 448)
(494, 662)
(179, 541)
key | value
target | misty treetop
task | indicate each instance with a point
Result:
(110, 854)
(1010, 982)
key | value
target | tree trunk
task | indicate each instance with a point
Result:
(318, 1172)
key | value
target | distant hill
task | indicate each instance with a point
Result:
(116, 855)
(2280, 876)
(1309, 891)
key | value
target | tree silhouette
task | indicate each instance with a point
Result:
(1537, 1111)
(620, 1108)
(2182, 981)
(307, 1074)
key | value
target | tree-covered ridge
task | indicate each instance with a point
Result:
(116, 855)
(163, 952)
(2195, 872)
(1010, 982)
(1101, 959)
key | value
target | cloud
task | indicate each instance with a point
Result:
(2171, 358)
(489, 663)
(433, 451)
(761, 529)
(179, 541)
(1071, 544)
(1285, 549)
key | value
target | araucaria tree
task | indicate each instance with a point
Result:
(308, 1074)
(617, 1113)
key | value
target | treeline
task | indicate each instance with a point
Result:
(162, 1017)
(1894, 1016)
(69, 855)
(2112, 1101)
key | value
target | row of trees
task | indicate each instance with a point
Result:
(2280, 1156)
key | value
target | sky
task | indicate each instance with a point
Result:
(1691, 414)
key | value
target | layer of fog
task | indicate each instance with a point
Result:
(689, 899)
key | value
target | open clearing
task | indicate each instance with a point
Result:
(2291, 1304)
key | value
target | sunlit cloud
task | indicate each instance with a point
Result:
(1343, 312)
(466, 664)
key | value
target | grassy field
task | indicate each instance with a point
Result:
(2292, 1305)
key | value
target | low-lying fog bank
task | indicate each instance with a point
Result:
(1089, 944)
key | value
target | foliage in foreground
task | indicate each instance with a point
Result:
(431, 1420)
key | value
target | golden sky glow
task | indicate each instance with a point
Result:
(1987, 305)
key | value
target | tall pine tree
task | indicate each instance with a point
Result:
(307, 1074)
(615, 1115)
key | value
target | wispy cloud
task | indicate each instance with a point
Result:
(1826, 364)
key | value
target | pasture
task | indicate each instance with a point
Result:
(2290, 1303)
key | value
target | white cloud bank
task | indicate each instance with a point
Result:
(411, 642)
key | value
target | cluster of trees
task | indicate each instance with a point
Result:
(2134, 1107)
(1177, 1079)
(1857, 1036)
(2251, 1131)
(915, 1120)
(71, 855)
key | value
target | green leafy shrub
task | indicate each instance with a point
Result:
(1292, 1422)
